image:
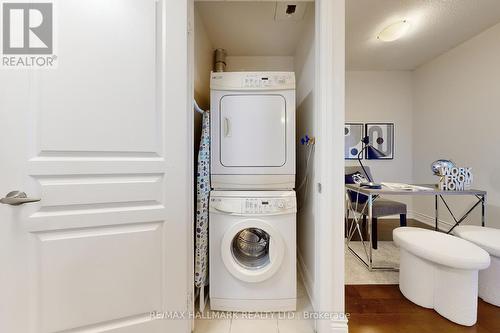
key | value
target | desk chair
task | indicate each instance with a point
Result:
(381, 207)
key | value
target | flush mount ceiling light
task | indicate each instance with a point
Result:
(394, 31)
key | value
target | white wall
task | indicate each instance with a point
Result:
(447, 108)
(306, 124)
(203, 62)
(457, 116)
(385, 96)
(259, 63)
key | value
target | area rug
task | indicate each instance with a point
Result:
(387, 254)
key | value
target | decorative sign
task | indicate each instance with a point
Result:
(455, 179)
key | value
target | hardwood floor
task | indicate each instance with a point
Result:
(383, 309)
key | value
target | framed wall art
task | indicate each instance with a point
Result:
(353, 134)
(381, 136)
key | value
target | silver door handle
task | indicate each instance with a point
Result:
(16, 198)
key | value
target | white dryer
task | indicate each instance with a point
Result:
(252, 251)
(253, 130)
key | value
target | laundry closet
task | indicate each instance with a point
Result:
(254, 138)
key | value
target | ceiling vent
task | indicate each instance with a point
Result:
(290, 10)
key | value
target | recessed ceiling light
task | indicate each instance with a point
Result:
(394, 31)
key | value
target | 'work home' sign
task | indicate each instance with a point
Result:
(456, 179)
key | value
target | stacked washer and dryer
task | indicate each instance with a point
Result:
(252, 230)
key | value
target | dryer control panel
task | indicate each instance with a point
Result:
(252, 81)
(265, 81)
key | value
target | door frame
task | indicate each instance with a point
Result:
(330, 112)
(178, 139)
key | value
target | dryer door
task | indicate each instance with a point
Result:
(252, 130)
(252, 250)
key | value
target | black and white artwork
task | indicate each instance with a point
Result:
(381, 136)
(353, 133)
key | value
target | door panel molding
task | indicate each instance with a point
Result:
(80, 264)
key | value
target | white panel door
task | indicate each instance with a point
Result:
(253, 131)
(104, 247)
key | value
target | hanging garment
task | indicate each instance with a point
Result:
(202, 196)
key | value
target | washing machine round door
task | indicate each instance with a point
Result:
(252, 250)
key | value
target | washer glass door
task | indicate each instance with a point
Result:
(252, 250)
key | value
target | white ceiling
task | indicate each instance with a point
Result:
(249, 29)
(246, 28)
(436, 26)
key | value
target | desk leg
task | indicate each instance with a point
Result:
(483, 210)
(370, 221)
(436, 212)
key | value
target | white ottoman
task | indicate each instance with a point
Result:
(440, 272)
(489, 240)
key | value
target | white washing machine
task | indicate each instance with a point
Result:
(252, 251)
(252, 130)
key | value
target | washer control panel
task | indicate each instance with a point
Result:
(266, 205)
(250, 206)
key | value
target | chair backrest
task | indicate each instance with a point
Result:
(353, 169)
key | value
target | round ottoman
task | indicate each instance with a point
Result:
(489, 240)
(440, 272)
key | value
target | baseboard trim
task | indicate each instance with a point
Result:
(339, 326)
(430, 220)
(423, 218)
(307, 279)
